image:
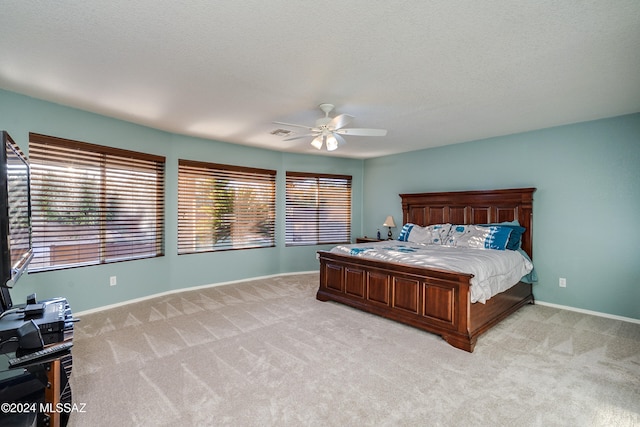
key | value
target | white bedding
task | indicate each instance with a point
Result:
(493, 271)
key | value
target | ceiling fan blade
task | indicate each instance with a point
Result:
(340, 139)
(340, 121)
(294, 125)
(362, 132)
(291, 138)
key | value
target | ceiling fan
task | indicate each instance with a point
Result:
(328, 131)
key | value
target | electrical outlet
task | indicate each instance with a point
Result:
(562, 282)
(113, 281)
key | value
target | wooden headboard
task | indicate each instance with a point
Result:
(472, 207)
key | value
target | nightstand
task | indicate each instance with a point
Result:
(366, 239)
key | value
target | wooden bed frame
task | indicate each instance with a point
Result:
(434, 300)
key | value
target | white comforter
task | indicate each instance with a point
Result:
(493, 271)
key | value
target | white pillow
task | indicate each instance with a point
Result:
(431, 235)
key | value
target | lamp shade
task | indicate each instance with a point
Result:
(317, 142)
(332, 143)
(389, 222)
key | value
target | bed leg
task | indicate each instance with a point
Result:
(463, 343)
(321, 297)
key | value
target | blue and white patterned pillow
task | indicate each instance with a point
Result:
(473, 236)
(431, 235)
(515, 238)
(404, 233)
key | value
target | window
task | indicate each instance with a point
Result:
(318, 209)
(93, 204)
(222, 207)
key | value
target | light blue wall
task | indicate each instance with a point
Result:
(88, 287)
(586, 208)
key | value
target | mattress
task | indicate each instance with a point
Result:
(493, 271)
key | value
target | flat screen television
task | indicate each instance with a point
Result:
(15, 217)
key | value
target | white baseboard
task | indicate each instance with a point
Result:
(175, 291)
(194, 288)
(593, 313)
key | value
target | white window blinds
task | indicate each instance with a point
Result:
(222, 207)
(93, 204)
(318, 209)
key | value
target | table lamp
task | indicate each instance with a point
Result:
(389, 223)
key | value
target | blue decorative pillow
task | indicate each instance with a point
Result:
(515, 238)
(474, 236)
(404, 233)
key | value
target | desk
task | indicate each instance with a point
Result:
(37, 387)
(24, 386)
(52, 392)
(36, 390)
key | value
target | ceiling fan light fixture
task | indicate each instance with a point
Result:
(317, 142)
(329, 130)
(332, 143)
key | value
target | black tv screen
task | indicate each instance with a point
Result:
(15, 216)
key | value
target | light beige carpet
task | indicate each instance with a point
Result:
(267, 353)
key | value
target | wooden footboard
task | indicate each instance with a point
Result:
(433, 300)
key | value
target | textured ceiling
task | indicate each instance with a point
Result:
(431, 72)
